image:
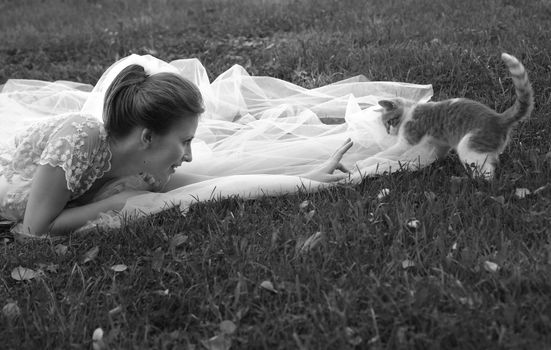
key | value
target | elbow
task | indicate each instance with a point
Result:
(25, 230)
(33, 229)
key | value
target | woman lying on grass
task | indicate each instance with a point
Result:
(64, 171)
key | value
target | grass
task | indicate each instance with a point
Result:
(373, 282)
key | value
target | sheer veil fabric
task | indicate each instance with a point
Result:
(256, 136)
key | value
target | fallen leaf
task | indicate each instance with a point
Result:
(175, 335)
(522, 192)
(97, 340)
(178, 240)
(407, 264)
(352, 336)
(119, 268)
(11, 311)
(312, 241)
(304, 205)
(115, 311)
(466, 301)
(431, 196)
(60, 249)
(383, 193)
(90, 255)
(374, 340)
(268, 286)
(227, 327)
(491, 266)
(21, 273)
(98, 334)
(161, 292)
(218, 342)
(414, 224)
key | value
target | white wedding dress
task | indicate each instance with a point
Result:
(256, 136)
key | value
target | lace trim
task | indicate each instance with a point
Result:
(75, 143)
(82, 166)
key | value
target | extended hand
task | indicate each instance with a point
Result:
(325, 172)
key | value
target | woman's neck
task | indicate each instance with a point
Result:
(126, 157)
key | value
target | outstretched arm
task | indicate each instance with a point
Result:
(324, 173)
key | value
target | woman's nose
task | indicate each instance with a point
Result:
(187, 157)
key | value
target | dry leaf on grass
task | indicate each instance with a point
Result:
(11, 311)
(163, 293)
(521, 193)
(115, 311)
(227, 327)
(407, 264)
(429, 195)
(61, 249)
(268, 286)
(119, 268)
(90, 255)
(352, 336)
(21, 273)
(312, 242)
(414, 224)
(178, 240)
(97, 340)
(491, 266)
(383, 193)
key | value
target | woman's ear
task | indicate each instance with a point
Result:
(146, 137)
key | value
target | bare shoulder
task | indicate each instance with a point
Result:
(51, 180)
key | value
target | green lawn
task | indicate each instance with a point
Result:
(475, 273)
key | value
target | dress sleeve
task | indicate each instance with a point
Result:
(76, 146)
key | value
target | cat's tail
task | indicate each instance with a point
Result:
(525, 96)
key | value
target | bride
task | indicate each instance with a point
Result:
(257, 136)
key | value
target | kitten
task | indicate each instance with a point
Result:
(476, 132)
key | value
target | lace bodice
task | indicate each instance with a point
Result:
(74, 142)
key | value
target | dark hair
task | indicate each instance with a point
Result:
(155, 101)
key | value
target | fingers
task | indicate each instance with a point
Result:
(336, 177)
(342, 168)
(343, 149)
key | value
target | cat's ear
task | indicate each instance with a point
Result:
(388, 105)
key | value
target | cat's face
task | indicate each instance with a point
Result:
(393, 114)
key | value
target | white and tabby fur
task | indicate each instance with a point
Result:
(476, 132)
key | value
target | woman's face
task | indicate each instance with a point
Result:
(169, 151)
